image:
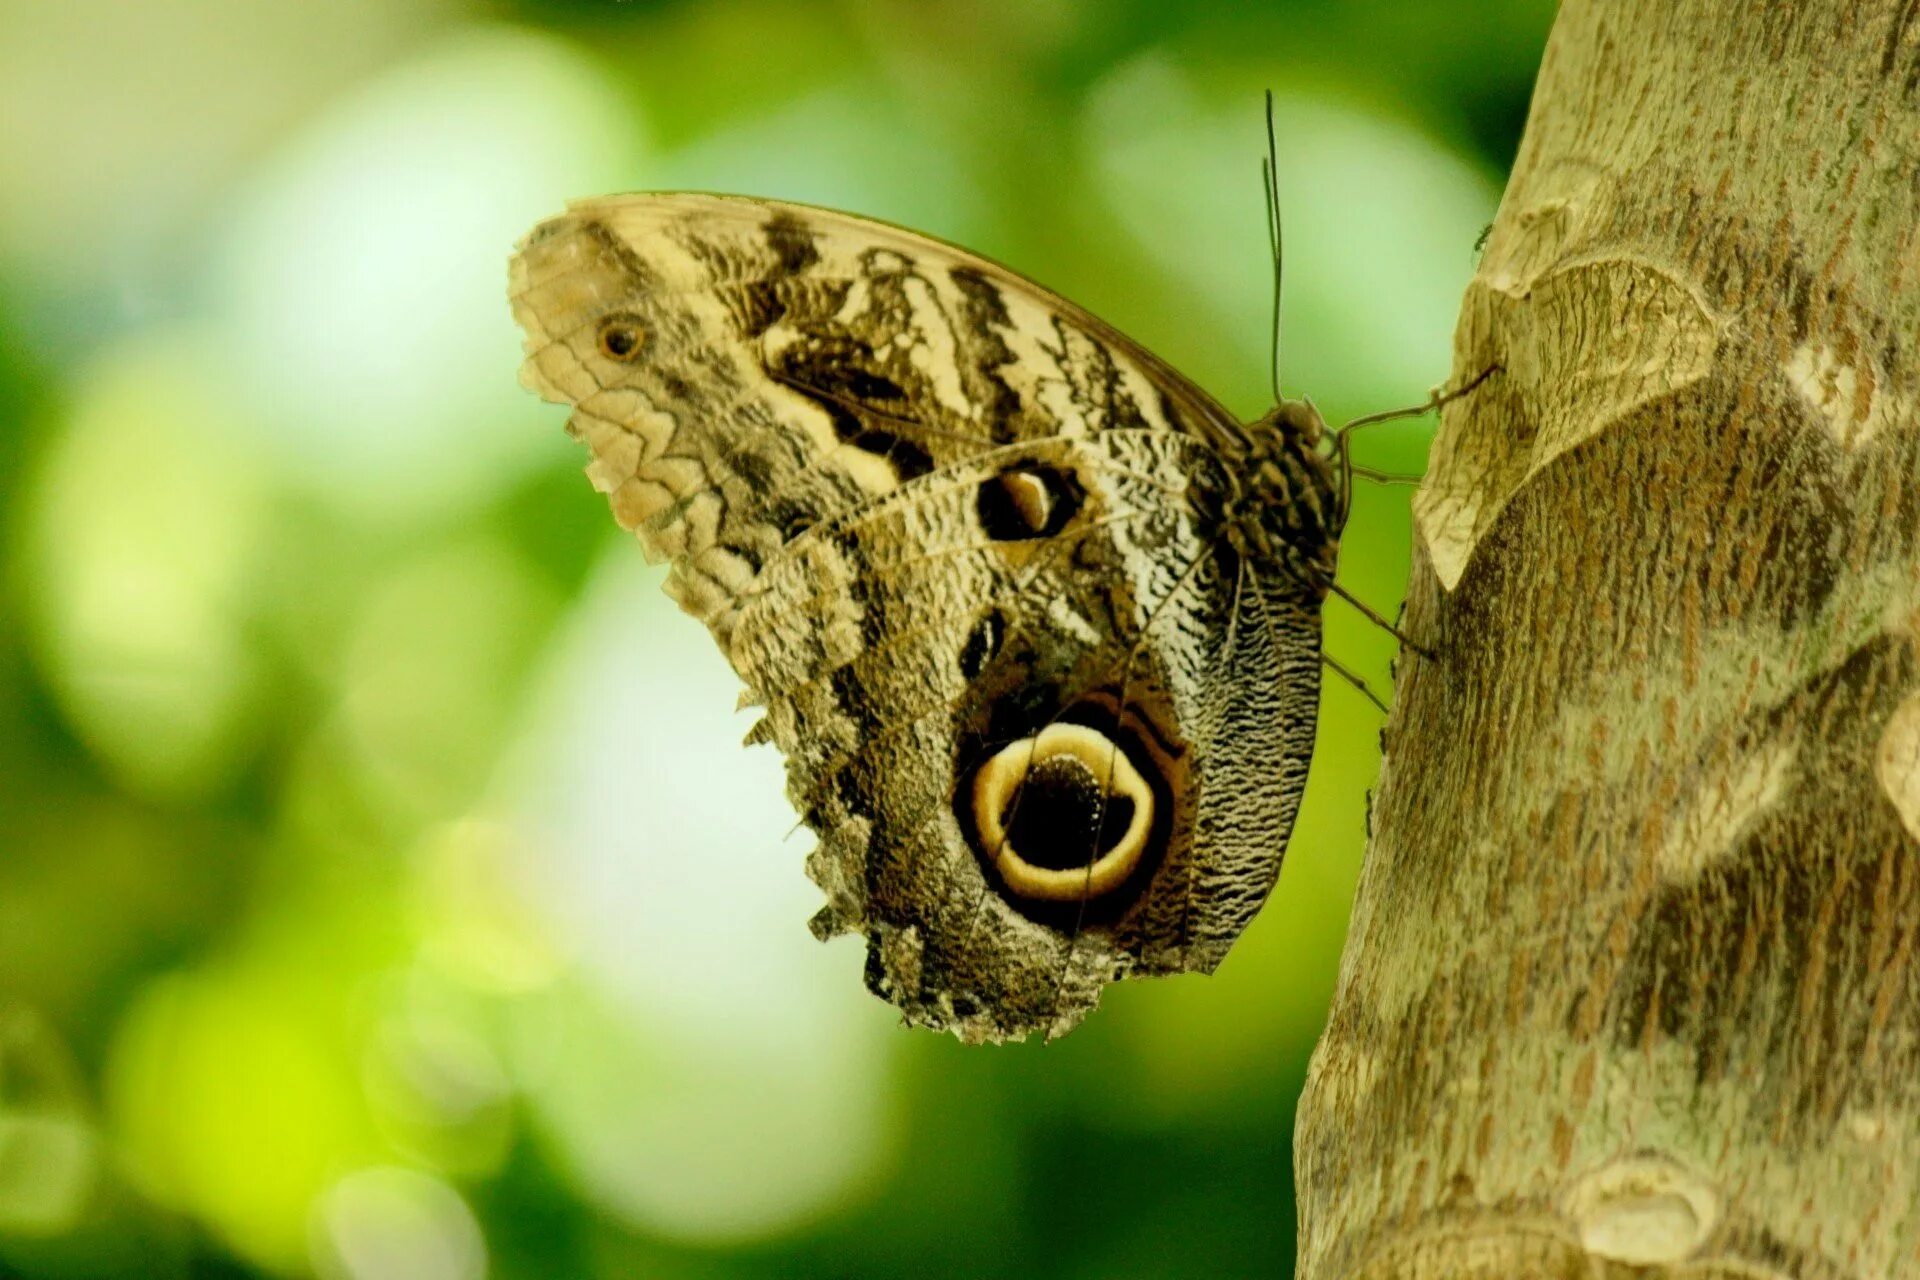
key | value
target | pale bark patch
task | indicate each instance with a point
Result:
(1728, 803)
(1643, 1211)
(1897, 763)
(1845, 395)
(1579, 348)
(1866, 1127)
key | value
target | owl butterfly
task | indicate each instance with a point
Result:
(1035, 621)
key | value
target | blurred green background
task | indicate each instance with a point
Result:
(384, 892)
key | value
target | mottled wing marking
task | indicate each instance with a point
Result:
(813, 408)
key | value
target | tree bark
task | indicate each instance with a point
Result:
(1632, 983)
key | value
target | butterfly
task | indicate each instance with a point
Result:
(1034, 620)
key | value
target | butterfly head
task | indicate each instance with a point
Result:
(1294, 421)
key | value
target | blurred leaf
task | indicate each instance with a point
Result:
(96, 891)
(695, 1139)
(235, 1099)
(397, 1224)
(435, 1083)
(429, 676)
(462, 969)
(103, 154)
(852, 146)
(1378, 221)
(474, 914)
(710, 64)
(48, 1148)
(710, 1072)
(377, 329)
(136, 563)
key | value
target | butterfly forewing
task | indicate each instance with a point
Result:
(964, 543)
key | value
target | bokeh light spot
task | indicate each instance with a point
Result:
(362, 292)
(712, 1073)
(397, 1224)
(49, 1152)
(146, 518)
(1380, 222)
(233, 1103)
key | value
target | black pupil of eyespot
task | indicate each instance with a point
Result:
(1057, 819)
(620, 340)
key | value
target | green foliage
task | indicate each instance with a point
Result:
(383, 890)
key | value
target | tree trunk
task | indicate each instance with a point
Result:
(1632, 979)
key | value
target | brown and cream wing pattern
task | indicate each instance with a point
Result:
(962, 542)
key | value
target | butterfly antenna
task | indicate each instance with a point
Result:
(1270, 181)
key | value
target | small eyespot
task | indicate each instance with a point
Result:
(621, 337)
(983, 643)
(1027, 502)
(1064, 816)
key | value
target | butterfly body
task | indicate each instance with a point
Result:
(1034, 620)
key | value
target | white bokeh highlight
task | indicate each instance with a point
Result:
(393, 1223)
(363, 287)
(853, 146)
(712, 1073)
(1372, 209)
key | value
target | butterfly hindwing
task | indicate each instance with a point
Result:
(963, 543)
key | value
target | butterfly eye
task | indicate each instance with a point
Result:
(621, 337)
(1064, 816)
(1027, 502)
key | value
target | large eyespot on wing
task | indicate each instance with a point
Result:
(1065, 815)
(1009, 747)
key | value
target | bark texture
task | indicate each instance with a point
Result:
(1632, 984)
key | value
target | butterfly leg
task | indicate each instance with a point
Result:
(1341, 448)
(1334, 665)
(1372, 615)
(1437, 400)
(1378, 621)
(1348, 470)
(1382, 477)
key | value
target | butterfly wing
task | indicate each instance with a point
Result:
(963, 542)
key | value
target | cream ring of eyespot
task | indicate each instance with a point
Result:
(995, 790)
